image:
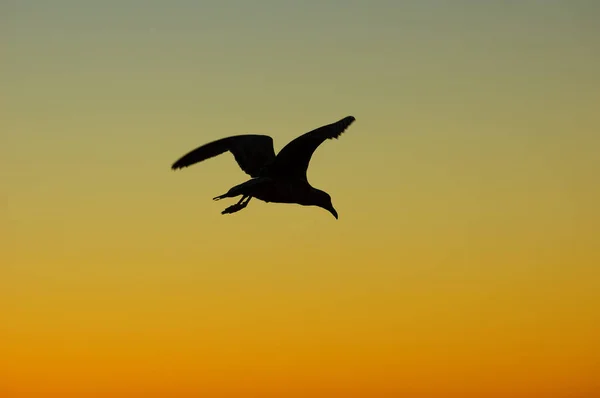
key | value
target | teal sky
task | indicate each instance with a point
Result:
(467, 192)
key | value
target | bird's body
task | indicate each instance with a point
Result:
(269, 189)
(277, 178)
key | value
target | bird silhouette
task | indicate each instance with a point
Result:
(277, 178)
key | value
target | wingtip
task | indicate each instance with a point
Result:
(348, 120)
(178, 165)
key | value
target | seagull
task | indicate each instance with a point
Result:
(277, 178)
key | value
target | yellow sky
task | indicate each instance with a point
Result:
(465, 260)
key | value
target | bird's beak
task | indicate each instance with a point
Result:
(332, 211)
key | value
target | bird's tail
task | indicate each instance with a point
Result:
(220, 197)
(235, 191)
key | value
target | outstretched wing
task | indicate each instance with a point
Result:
(294, 158)
(251, 151)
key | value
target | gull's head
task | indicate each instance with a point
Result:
(323, 200)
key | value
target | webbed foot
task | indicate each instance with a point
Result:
(238, 206)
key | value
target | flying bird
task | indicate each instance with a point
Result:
(277, 178)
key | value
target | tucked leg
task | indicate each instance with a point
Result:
(238, 206)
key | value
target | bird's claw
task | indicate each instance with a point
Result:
(232, 209)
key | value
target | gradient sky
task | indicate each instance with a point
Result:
(466, 258)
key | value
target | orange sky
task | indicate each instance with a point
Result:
(465, 260)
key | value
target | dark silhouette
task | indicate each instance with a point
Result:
(277, 178)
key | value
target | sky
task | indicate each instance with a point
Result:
(465, 259)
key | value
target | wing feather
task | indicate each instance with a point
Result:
(251, 151)
(294, 158)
